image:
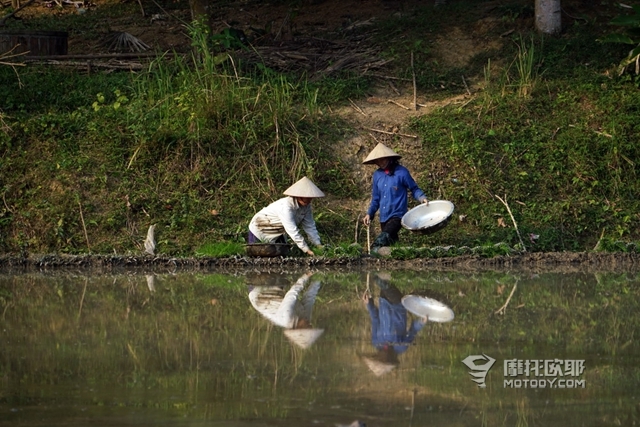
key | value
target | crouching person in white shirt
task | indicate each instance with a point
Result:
(287, 216)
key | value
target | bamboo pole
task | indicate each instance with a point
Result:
(368, 240)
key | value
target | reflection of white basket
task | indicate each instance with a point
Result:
(433, 310)
(303, 338)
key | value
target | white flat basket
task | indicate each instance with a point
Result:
(428, 218)
(433, 310)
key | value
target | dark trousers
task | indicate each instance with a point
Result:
(389, 234)
(392, 226)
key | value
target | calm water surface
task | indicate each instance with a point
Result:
(303, 348)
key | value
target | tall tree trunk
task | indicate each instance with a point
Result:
(549, 16)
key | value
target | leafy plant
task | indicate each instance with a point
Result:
(631, 36)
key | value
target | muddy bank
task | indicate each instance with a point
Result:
(531, 262)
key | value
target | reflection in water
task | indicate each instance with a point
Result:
(389, 333)
(188, 350)
(291, 310)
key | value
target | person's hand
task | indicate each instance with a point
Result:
(425, 201)
(366, 220)
(309, 252)
(366, 297)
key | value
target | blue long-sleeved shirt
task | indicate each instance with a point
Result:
(389, 193)
(389, 325)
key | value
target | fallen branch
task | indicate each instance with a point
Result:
(88, 65)
(465, 85)
(393, 133)
(398, 104)
(101, 56)
(381, 76)
(358, 109)
(504, 202)
(597, 246)
(502, 309)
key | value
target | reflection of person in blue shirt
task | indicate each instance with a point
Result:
(389, 334)
(391, 184)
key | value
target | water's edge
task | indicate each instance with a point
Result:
(550, 262)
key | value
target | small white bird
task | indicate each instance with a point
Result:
(150, 242)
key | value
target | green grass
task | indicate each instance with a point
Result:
(196, 145)
(222, 249)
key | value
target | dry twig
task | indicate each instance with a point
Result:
(504, 202)
(393, 133)
(358, 109)
(502, 309)
(415, 87)
(390, 101)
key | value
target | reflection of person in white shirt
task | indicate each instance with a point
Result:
(291, 310)
(286, 216)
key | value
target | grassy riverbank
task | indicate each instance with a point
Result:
(545, 139)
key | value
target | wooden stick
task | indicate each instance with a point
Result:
(101, 56)
(504, 202)
(502, 309)
(368, 241)
(415, 87)
(84, 227)
(84, 291)
(356, 236)
(390, 101)
(358, 109)
(597, 246)
(465, 85)
(393, 133)
(367, 291)
(141, 8)
(381, 76)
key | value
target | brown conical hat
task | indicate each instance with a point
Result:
(303, 338)
(304, 188)
(381, 151)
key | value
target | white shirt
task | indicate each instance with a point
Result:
(285, 311)
(285, 216)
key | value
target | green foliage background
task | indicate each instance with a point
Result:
(197, 144)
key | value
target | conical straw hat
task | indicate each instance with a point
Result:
(381, 151)
(304, 188)
(303, 338)
(377, 367)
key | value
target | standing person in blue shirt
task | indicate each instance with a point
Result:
(391, 183)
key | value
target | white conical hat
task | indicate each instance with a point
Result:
(381, 151)
(377, 367)
(304, 188)
(303, 338)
